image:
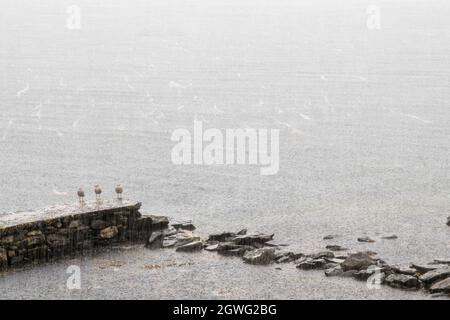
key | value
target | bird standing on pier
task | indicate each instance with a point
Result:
(80, 195)
(119, 191)
(98, 192)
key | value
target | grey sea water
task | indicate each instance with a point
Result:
(363, 114)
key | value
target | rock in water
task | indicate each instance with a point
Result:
(185, 237)
(212, 247)
(252, 239)
(221, 237)
(238, 252)
(184, 226)
(364, 274)
(260, 256)
(357, 261)
(333, 272)
(287, 256)
(442, 261)
(330, 236)
(442, 286)
(312, 264)
(155, 241)
(170, 231)
(109, 233)
(348, 274)
(231, 249)
(424, 268)
(390, 237)
(365, 239)
(404, 270)
(448, 221)
(190, 247)
(168, 243)
(157, 222)
(334, 247)
(402, 281)
(435, 275)
(323, 254)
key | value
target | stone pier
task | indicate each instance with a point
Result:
(67, 230)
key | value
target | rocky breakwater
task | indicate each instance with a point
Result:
(56, 232)
(334, 261)
(253, 248)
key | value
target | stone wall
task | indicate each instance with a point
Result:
(68, 230)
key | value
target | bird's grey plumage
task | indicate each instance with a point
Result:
(119, 191)
(98, 191)
(80, 195)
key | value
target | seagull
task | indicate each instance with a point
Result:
(119, 191)
(98, 191)
(81, 195)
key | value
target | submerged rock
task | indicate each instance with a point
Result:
(259, 256)
(435, 275)
(190, 247)
(335, 247)
(365, 239)
(155, 241)
(390, 237)
(357, 261)
(330, 237)
(448, 221)
(402, 281)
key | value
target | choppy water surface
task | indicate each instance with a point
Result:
(363, 115)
